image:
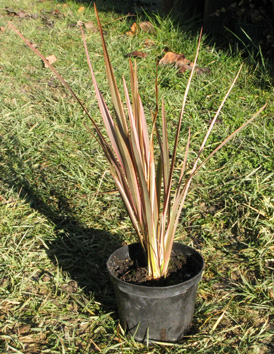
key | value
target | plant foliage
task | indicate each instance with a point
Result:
(140, 161)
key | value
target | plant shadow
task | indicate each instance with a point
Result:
(78, 250)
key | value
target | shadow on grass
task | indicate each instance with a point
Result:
(80, 251)
(124, 7)
(189, 17)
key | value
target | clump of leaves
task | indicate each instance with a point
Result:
(182, 63)
(140, 161)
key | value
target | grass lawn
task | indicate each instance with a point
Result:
(61, 216)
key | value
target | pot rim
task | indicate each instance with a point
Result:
(185, 283)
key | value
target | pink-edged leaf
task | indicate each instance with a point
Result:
(215, 118)
(229, 138)
(140, 168)
(117, 140)
(184, 163)
(135, 95)
(176, 211)
(168, 196)
(132, 168)
(144, 134)
(133, 131)
(108, 121)
(63, 81)
(116, 99)
(139, 117)
(182, 112)
(135, 220)
(159, 177)
(165, 149)
(152, 183)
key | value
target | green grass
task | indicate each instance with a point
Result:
(60, 214)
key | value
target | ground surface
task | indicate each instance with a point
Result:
(61, 216)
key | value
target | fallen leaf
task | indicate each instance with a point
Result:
(90, 26)
(133, 30)
(2, 29)
(148, 43)
(48, 22)
(22, 14)
(183, 68)
(182, 63)
(146, 26)
(51, 59)
(62, 5)
(79, 23)
(34, 44)
(137, 54)
(173, 58)
(57, 13)
(11, 12)
(200, 71)
(24, 329)
(129, 33)
(40, 338)
(81, 9)
(70, 288)
(6, 201)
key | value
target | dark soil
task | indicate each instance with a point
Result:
(181, 269)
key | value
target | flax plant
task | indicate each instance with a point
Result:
(139, 159)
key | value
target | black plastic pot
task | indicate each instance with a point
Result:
(156, 313)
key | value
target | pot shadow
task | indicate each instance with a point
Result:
(78, 250)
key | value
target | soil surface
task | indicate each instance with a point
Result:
(181, 269)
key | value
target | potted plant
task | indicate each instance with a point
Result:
(159, 306)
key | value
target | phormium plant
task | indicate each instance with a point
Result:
(139, 159)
